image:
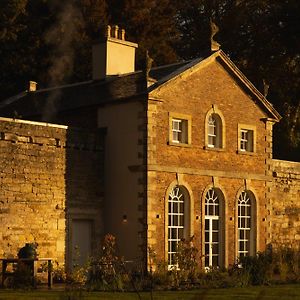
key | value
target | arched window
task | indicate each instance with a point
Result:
(214, 228)
(214, 131)
(178, 217)
(246, 224)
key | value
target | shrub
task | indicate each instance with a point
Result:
(107, 268)
(258, 268)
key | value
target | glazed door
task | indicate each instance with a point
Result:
(212, 240)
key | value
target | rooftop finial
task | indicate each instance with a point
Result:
(32, 86)
(214, 45)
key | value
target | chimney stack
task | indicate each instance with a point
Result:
(113, 55)
(32, 86)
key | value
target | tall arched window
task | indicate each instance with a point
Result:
(214, 129)
(214, 229)
(246, 224)
(178, 217)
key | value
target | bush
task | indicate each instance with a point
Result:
(107, 269)
(258, 268)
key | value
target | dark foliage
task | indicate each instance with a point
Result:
(50, 41)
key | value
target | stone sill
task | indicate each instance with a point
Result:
(213, 149)
(179, 144)
(246, 153)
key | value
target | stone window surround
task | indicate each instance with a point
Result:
(194, 219)
(255, 216)
(189, 230)
(223, 228)
(222, 139)
(252, 128)
(184, 117)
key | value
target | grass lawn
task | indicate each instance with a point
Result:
(282, 292)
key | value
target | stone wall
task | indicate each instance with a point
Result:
(46, 173)
(285, 218)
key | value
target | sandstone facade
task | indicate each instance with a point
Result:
(285, 220)
(49, 174)
(197, 167)
(63, 175)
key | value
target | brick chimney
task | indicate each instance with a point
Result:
(113, 55)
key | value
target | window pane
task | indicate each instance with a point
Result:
(206, 261)
(215, 225)
(180, 234)
(215, 236)
(215, 248)
(206, 236)
(206, 224)
(173, 233)
(241, 246)
(215, 261)
(206, 248)
(181, 219)
(241, 234)
(175, 207)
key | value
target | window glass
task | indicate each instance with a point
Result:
(179, 131)
(246, 140)
(214, 131)
(176, 216)
(244, 224)
(212, 229)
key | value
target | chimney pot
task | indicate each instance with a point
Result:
(108, 31)
(32, 86)
(123, 34)
(116, 31)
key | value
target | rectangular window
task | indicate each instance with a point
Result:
(246, 139)
(177, 130)
(180, 127)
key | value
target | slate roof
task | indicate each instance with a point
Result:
(112, 89)
(82, 94)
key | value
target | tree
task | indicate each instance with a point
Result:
(151, 23)
(261, 37)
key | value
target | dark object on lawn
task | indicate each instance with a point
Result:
(28, 251)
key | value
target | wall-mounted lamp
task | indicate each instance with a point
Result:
(124, 218)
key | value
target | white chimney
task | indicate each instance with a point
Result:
(113, 55)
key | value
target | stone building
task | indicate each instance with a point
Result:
(185, 150)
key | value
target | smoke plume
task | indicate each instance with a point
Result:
(61, 39)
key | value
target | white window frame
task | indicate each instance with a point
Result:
(245, 221)
(212, 132)
(214, 129)
(180, 127)
(213, 212)
(176, 222)
(246, 138)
